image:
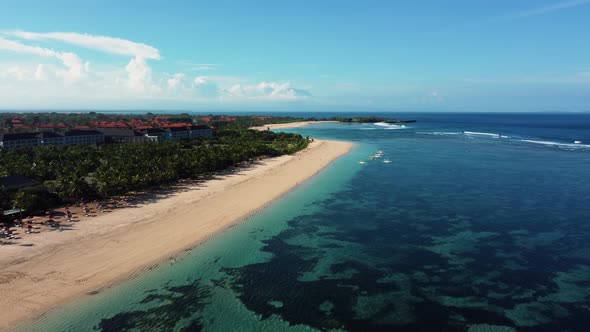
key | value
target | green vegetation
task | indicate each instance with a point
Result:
(83, 171)
(75, 172)
(28, 121)
(370, 119)
(84, 119)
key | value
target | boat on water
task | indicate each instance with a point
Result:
(577, 142)
(362, 162)
(387, 161)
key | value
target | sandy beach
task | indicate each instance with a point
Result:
(289, 125)
(49, 269)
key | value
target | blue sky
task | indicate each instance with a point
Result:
(504, 55)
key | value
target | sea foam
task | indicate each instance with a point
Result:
(475, 133)
(386, 125)
(559, 144)
(439, 133)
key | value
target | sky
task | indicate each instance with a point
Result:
(456, 55)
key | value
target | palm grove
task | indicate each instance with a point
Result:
(75, 172)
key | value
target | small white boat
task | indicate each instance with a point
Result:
(362, 162)
(387, 161)
(577, 142)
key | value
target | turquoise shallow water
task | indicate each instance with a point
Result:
(474, 221)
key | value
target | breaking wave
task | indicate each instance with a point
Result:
(476, 133)
(386, 125)
(439, 133)
(559, 144)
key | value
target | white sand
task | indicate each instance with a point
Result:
(101, 251)
(289, 125)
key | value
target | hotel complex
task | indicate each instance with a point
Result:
(99, 136)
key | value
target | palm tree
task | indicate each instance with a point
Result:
(22, 201)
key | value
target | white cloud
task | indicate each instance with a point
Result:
(100, 43)
(176, 81)
(200, 80)
(268, 90)
(201, 87)
(10, 45)
(41, 73)
(205, 87)
(76, 69)
(139, 73)
(41, 81)
(236, 90)
(17, 73)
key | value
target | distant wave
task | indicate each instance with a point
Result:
(475, 133)
(439, 133)
(558, 144)
(381, 124)
(575, 145)
(386, 125)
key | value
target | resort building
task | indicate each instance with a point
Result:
(51, 138)
(157, 134)
(19, 140)
(200, 131)
(118, 135)
(177, 133)
(83, 137)
(72, 137)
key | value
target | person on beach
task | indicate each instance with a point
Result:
(8, 233)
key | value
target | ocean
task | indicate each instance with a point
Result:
(478, 219)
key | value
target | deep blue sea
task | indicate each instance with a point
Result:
(478, 219)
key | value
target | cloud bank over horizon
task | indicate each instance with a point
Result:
(54, 74)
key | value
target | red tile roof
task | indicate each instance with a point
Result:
(50, 125)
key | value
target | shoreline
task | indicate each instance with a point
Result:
(287, 125)
(113, 247)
